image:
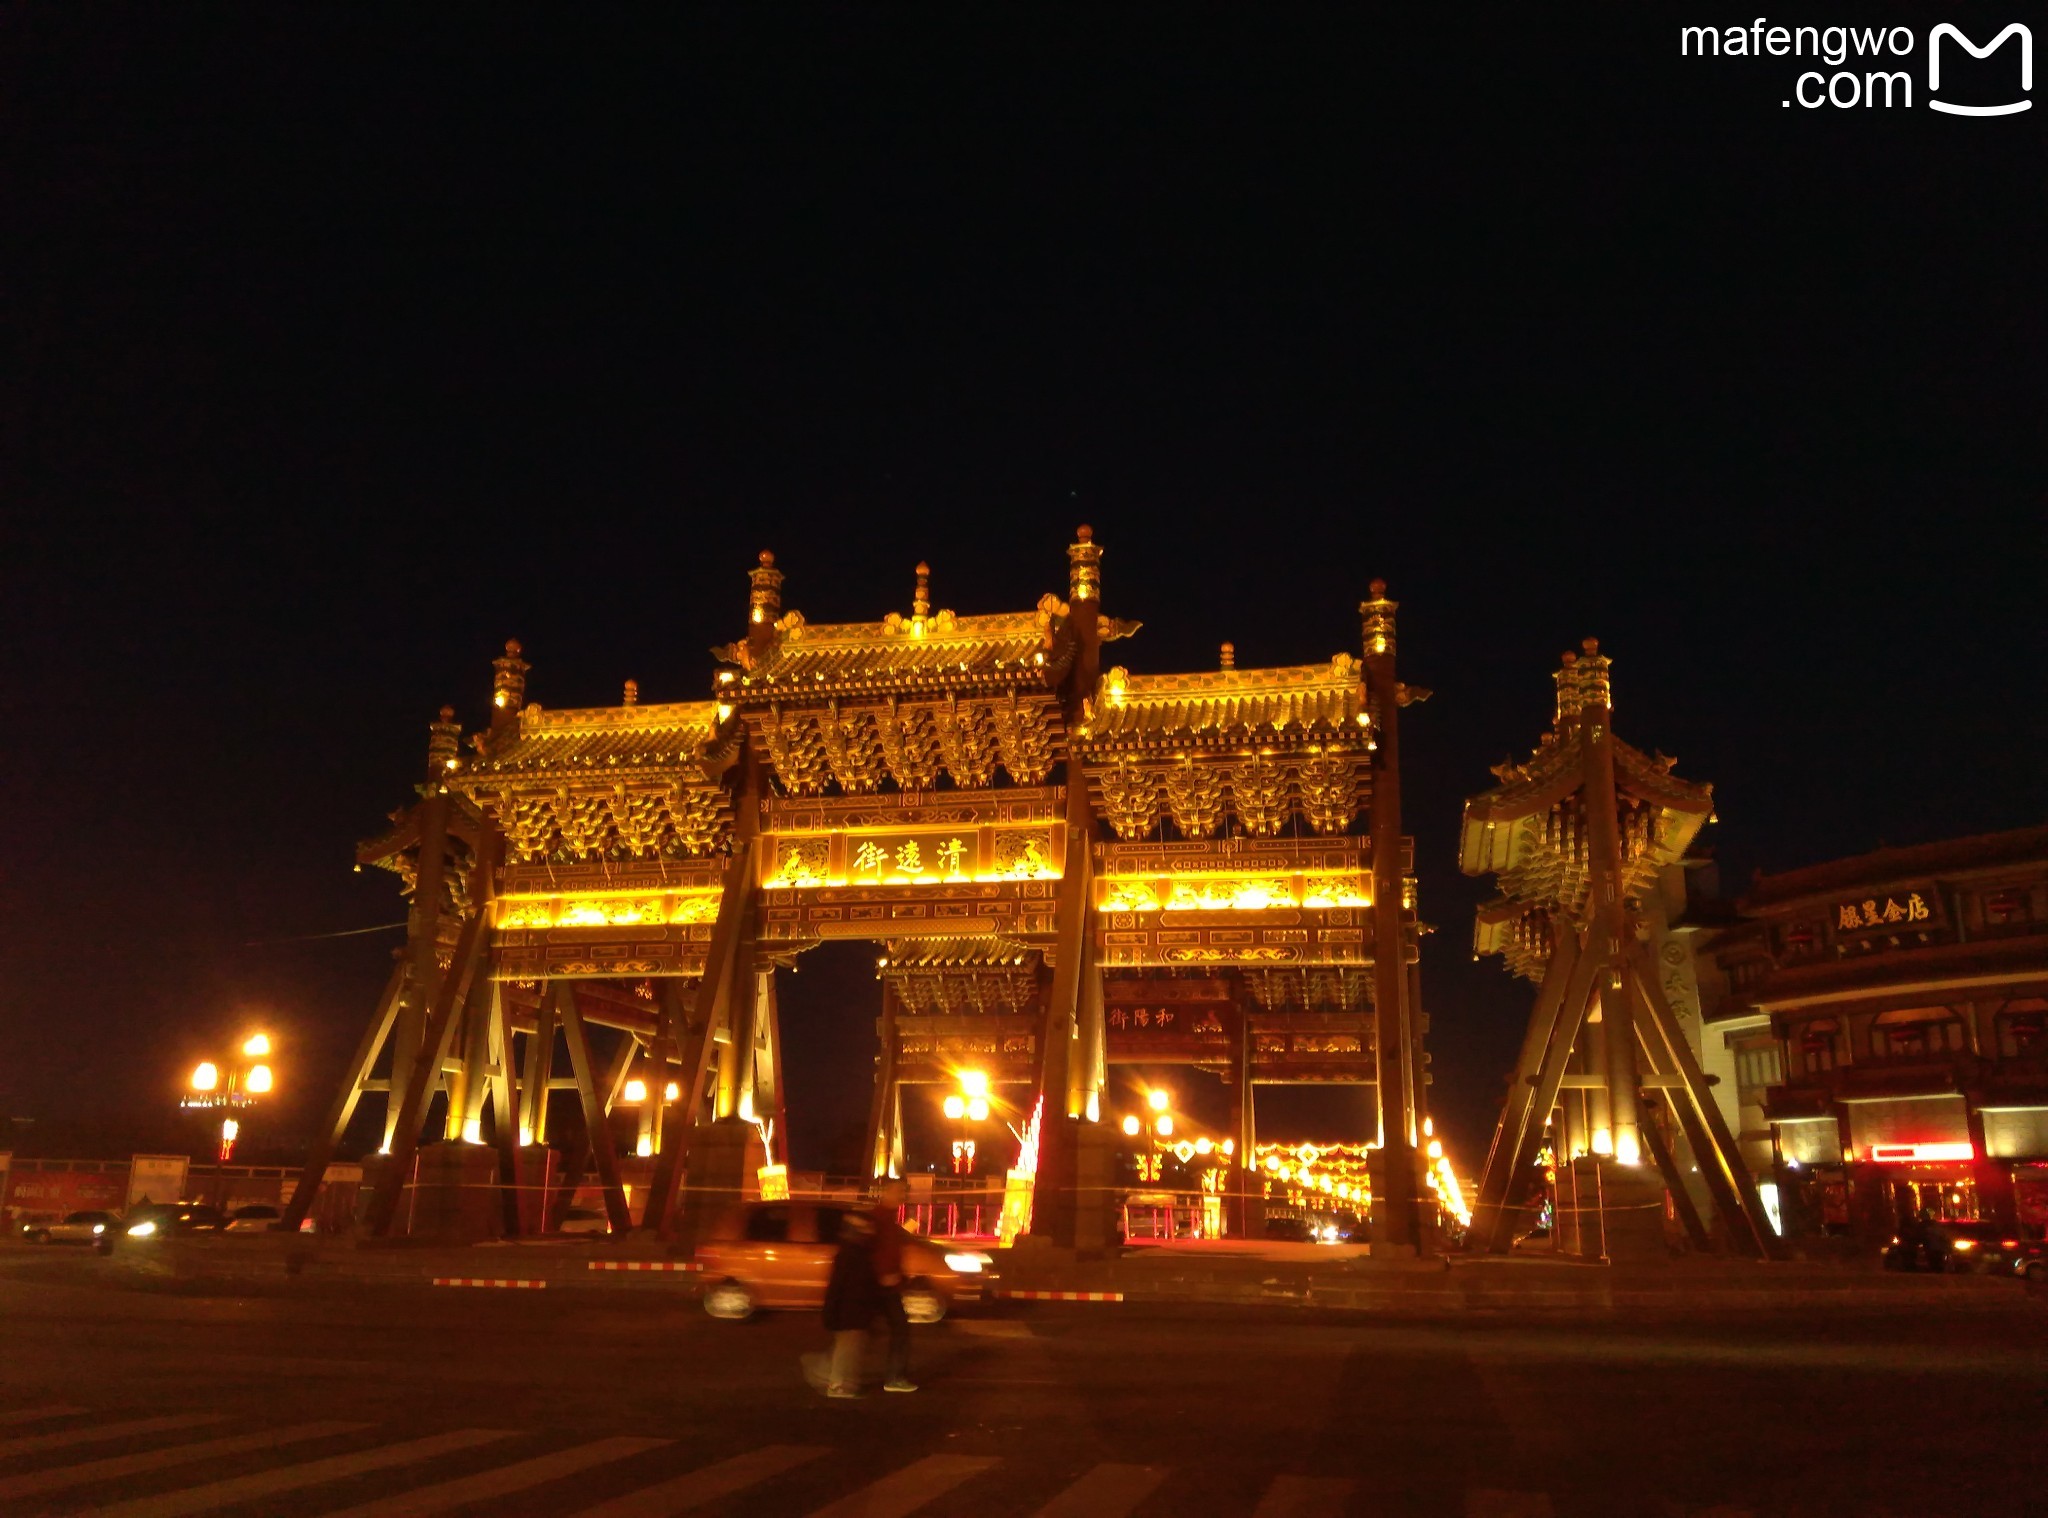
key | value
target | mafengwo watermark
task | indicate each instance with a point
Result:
(1875, 67)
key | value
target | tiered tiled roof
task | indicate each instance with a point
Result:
(600, 741)
(1532, 831)
(1226, 707)
(905, 654)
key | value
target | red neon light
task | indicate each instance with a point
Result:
(1906, 1154)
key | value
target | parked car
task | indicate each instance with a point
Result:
(1281, 1230)
(255, 1218)
(155, 1220)
(76, 1228)
(1958, 1247)
(2031, 1261)
(779, 1254)
(583, 1220)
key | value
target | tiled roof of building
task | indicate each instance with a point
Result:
(1950, 856)
(1226, 705)
(599, 740)
(904, 653)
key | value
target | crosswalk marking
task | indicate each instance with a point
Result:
(501, 1482)
(99, 1433)
(1108, 1491)
(681, 1493)
(290, 1478)
(1303, 1497)
(40, 1482)
(38, 1414)
(909, 1489)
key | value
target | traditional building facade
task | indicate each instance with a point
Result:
(1886, 1021)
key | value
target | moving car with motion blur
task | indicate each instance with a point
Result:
(156, 1220)
(255, 1218)
(76, 1228)
(1954, 1247)
(779, 1255)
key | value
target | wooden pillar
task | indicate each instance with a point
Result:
(1086, 1079)
(423, 922)
(1396, 1215)
(504, 1104)
(1608, 906)
(1248, 1182)
(1054, 1192)
(775, 1106)
(451, 995)
(882, 1104)
(540, 1070)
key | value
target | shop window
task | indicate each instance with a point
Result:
(1818, 1045)
(2023, 1032)
(1917, 1032)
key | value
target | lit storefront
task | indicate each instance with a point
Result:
(1900, 1001)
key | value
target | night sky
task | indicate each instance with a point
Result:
(337, 348)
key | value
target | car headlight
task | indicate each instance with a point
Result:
(99, 1228)
(142, 1230)
(967, 1264)
(1964, 1246)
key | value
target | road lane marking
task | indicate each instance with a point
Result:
(503, 1481)
(1061, 1296)
(29, 1443)
(694, 1489)
(516, 1285)
(218, 1494)
(907, 1490)
(38, 1414)
(644, 1265)
(63, 1477)
(1303, 1497)
(1107, 1491)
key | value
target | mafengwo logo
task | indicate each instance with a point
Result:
(1963, 76)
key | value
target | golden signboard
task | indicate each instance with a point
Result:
(907, 856)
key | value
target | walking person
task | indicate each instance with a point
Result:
(852, 1299)
(889, 1238)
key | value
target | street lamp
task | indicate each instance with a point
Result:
(969, 1105)
(228, 1086)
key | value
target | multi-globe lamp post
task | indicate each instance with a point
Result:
(1157, 1126)
(968, 1105)
(231, 1085)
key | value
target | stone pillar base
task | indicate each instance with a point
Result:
(1607, 1210)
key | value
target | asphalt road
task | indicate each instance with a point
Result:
(319, 1398)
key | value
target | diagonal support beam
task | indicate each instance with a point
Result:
(724, 965)
(1661, 1151)
(440, 1033)
(1728, 1179)
(1498, 1177)
(344, 1108)
(595, 1111)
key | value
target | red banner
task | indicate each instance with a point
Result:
(45, 1195)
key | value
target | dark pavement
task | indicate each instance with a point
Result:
(312, 1397)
